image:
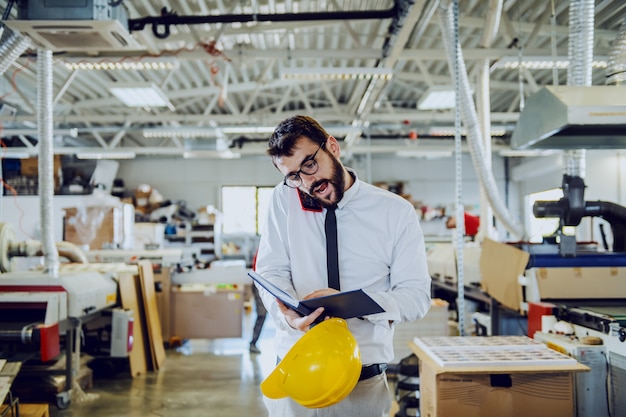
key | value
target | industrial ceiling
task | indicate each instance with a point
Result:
(230, 71)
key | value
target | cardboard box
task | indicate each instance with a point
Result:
(486, 394)
(30, 167)
(495, 390)
(502, 265)
(206, 311)
(100, 227)
(576, 283)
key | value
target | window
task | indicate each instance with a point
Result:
(244, 209)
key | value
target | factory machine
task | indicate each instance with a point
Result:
(41, 315)
(585, 285)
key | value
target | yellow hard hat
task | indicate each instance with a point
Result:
(320, 370)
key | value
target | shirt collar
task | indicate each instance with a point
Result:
(350, 192)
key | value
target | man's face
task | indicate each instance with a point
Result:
(327, 184)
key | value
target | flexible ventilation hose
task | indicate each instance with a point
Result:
(580, 50)
(11, 49)
(46, 179)
(470, 120)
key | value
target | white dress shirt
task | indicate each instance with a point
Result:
(381, 251)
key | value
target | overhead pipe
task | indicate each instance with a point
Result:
(470, 120)
(46, 179)
(483, 103)
(168, 18)
(613, 213)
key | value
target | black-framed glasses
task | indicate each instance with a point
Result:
(309, 167)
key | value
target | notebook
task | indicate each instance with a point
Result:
(344, 305)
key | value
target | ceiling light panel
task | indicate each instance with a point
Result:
(140, 95)
(106, 155)
(438, 98)
(337, 73)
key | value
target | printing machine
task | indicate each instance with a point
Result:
(41, 313)
(601, 311)
(584, 283)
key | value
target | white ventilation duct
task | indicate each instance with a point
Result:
(470, 120)
(581, 18)
(11, 49)
(484, 112)
(46, 180)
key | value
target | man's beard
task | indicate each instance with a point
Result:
(336, 180)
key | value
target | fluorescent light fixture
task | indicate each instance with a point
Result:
(337, 73)
(425, 154)
(100, 64)
(542, 62)
(180, 132)
(106, 155)
(140, 95)
(438, 98)
(247, 129)
(203, 132)
(519, 153)
(207, 154)
(450, 131)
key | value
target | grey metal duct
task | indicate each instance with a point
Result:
(578, 116)
(573, 117)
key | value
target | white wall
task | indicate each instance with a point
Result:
(198, 181)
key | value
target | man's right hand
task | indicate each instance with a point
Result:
(295, 320)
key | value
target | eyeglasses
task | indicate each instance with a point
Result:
(309, 167)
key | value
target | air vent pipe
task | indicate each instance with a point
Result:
(581, 16)
(11, 49)
(46, 179)
(470, 120)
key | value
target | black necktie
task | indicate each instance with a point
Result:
(332, 256)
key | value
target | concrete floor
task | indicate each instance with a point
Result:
(217, 377)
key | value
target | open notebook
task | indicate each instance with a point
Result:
(344, 305)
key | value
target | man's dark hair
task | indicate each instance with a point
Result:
(290, 130)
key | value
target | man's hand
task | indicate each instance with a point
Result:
(321, 293)
(297, 321)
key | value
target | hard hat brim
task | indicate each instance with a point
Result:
(270, 387)
(280, 382)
